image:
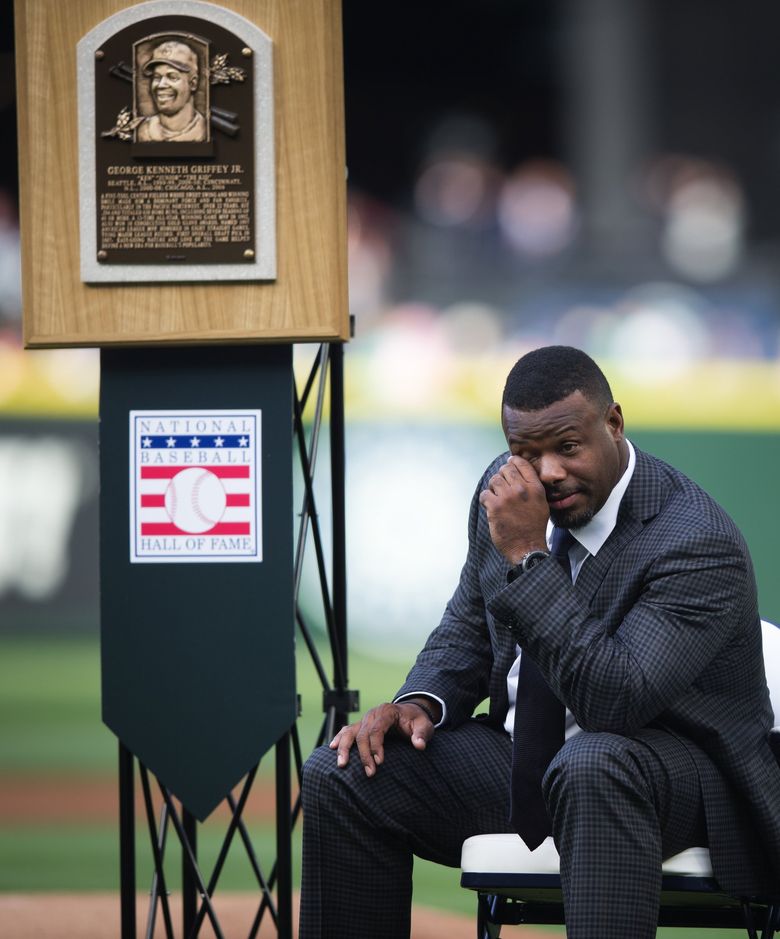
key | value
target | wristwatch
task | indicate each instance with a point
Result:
(528, 561)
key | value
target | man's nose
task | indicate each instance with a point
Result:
(551, 470)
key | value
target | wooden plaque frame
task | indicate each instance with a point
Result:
(308, 299)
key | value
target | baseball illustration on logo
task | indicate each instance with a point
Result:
(195, 500)
(195, 486)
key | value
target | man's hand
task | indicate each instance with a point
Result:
(517, 510)
(404, 718)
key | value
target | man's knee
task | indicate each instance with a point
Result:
(320, 761)
(324, 783)
(591, 763)
(320, 773)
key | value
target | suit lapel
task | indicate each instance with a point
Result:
(642, 501)
(595, 568)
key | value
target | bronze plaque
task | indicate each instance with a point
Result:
(174, 143)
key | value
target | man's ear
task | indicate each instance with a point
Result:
(615, 420)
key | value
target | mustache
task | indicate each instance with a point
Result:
(556, 495)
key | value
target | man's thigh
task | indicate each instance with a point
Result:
(432, 800)
(611, 778)
(670, 764)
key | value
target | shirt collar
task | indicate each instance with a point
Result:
(593, 535)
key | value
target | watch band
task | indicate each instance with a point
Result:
(526, 563)
(424, 708)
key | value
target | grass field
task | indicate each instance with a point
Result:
(50, 728)
(52, 740)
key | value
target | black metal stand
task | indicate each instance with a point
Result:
(126, 841)
(197, 894)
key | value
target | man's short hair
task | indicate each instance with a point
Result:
(546, 375)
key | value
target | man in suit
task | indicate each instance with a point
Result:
(645, 627)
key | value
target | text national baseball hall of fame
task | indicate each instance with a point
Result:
(195, 486)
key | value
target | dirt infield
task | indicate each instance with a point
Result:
(96, 916)
(74, 798)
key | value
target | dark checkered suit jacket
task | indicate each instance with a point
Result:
(661, 629)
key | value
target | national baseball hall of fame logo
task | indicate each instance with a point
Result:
(195, 486)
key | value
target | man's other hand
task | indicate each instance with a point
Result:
(405, 718)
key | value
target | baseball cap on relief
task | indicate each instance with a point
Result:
(176, 54)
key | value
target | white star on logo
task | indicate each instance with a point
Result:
(243, 442)
(195, 442)
(218, 441)
(147, 442)
(170, 442)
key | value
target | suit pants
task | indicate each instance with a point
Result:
(619, 804)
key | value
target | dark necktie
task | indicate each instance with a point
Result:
(539, 731)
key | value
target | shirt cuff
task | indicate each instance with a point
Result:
(424, 694)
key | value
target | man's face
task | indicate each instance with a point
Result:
(577, 450)
(171, 89)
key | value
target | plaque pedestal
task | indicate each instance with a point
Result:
(152, 725)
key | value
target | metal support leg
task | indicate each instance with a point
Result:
(127, 842)
(750, 923)
(283, 839)
(487, 927)
(338, 503)
(189, 886)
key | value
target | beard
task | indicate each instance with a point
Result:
(571, 518)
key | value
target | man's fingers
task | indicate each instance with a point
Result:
(363, 740)
(497, 484)
(342, 743)
(510, 472)
(518, 471)
(523, 469)
(516, 476)
(500, 486)
(515, 472)
(368, 734)
(416, 724)
(422, 731)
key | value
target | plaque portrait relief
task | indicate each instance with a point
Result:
(176, 150)
(171, 95)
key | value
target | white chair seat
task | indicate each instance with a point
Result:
(506, 853)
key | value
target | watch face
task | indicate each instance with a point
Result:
(532, 559)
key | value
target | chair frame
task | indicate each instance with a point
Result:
(686, 900)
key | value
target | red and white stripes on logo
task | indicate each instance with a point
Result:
(154, 481)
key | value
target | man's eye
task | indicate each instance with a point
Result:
(569, 447)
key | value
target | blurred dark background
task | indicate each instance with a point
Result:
(593, 172)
